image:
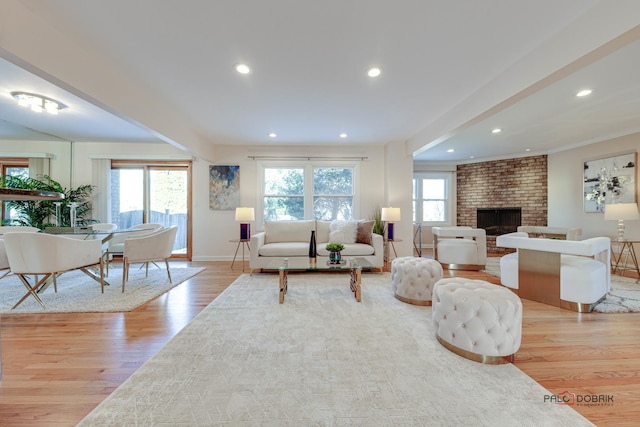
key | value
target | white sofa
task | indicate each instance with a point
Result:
(288, 239)
(564, 273)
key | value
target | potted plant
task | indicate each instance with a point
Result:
(39, 213)
(376, 216)
(334, 252)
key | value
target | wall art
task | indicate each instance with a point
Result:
(609, 180)
(224, 187)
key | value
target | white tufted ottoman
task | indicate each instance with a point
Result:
(412, 279)
(477, 320)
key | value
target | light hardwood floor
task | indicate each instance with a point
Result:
(58, 367)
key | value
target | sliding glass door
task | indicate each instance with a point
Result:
(153, 193)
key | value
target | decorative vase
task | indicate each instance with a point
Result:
(335, 257)
(313, 252)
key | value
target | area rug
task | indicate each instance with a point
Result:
(78, 293)
(321, 359)
(624, 296)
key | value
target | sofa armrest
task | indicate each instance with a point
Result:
(256, 242)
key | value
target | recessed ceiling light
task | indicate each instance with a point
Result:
(343, 135)
(584, 92)
(528, 149)
(374, 72)
(243, 69)
(450, 150)
(472, 157)
(272, 135)
(496, 130)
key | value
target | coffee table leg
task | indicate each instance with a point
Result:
(283, 284)
(356, 276)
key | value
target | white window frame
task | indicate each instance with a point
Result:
(449, 178)
(307, 167)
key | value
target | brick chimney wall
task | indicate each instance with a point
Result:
(512, 183)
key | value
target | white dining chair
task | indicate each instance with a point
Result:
(115, 245)
(4, 261)
(153, 247)
(46, 256)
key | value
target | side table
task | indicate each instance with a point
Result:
(243, 243)
(625, 249)
(389, 243)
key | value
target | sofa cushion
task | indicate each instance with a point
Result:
(365, 231)
(343, 231)
(288, 231)
(285, 249)
(322, 231)
(350, 250)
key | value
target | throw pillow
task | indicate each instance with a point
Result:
(343, 232)
(365, 231)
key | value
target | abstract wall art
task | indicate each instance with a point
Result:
(224, 187)
(609, 180)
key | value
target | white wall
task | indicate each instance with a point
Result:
(565, 174)
(218, 227)
(212, 230)
(60, 152)
(399, 184)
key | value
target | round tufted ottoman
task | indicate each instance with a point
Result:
(412, 279)
(477, 320)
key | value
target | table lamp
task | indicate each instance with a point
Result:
(244, 215)
(390, 215)
(620, 212)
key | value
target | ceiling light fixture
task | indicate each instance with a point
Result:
(374, 72)
(450, 150)
(272, 135)
(496, 130)
(584, 92)
(243, 69)
(343, 135)
(38, 103)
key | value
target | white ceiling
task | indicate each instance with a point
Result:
(451, 71)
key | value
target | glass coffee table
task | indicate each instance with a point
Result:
(301, 264)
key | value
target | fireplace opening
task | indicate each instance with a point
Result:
(497, 221)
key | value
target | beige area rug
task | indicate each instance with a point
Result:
(321, 359)
(78, 293)
(624, 296)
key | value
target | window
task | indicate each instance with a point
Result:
(432, 197)
(158, 193)
(13, 167)
(312, 191)
(332, 193)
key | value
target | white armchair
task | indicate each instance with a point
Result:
(153, 247)
(572, 274)
(460, 248)
(4, 261)
(47, 255)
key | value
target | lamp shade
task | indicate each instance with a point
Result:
(390, 214)
(245, 214)
(624, 211)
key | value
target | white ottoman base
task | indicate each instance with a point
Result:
(477, 320)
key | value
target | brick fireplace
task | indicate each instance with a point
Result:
(503, 184)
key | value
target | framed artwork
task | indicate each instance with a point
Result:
(224, 187)
(609, 180)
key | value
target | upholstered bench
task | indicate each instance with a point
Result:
(412, 279)
(570, 274)
(477, 320)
